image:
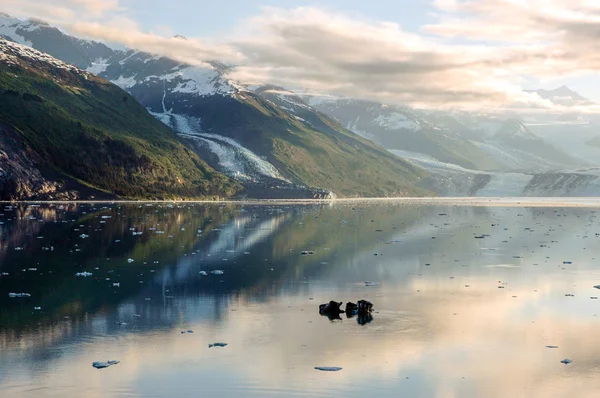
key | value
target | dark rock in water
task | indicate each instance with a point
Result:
(566, 361)
(364, 306)
(351, 308)
(363, 309)
(363, 319)
(217, 345)
(331, 310)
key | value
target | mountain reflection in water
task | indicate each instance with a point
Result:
(453, 315)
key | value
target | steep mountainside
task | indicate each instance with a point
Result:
(508, 140)
(396, 127)
(69, 126)
(514, 134)
(236, 130)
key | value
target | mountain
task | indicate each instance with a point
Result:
(514, 134)
(400, 128)
(238, 132)
(277, 143)
(67, 132)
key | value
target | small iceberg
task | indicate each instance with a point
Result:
(84, 274)
(18, 295)
(102, 365)
(328, 368)
(217, 345)
(217, 272)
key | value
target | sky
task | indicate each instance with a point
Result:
(467, 54)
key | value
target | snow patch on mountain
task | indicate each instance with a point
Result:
(200, 81)
(396, 121)
(9, 27)
(233, 158)
(430, 163)
(11, 52)
(98, 66)
(125, 82)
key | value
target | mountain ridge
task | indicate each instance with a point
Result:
(94, 133)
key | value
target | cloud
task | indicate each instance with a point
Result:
(61, 10)
(310, 49)
(108, 21)
(126, 32)
(477, 53)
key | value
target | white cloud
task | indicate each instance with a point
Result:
(479, 53)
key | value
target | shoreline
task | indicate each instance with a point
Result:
(593, 202)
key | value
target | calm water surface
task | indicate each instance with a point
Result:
(467, 299)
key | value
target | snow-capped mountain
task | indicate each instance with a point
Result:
(236, 130)
(272, 136)
(67, 133)
(481, 142)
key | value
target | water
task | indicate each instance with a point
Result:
(455, 316)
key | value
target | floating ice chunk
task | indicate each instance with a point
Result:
(566, 361)
(307, 253)
(203, 273)
(129, 260)
(328, 368)
(84, 274)
(217, 272)
(84, 236)
(102, 365)
(18, 295)
(551, 346)
(217, 345)
(370, 283)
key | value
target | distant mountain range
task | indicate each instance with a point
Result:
(270, 142)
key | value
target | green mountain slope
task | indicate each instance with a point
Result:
(315, 152)
(89, 130)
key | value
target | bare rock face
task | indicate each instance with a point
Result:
(20, 177)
